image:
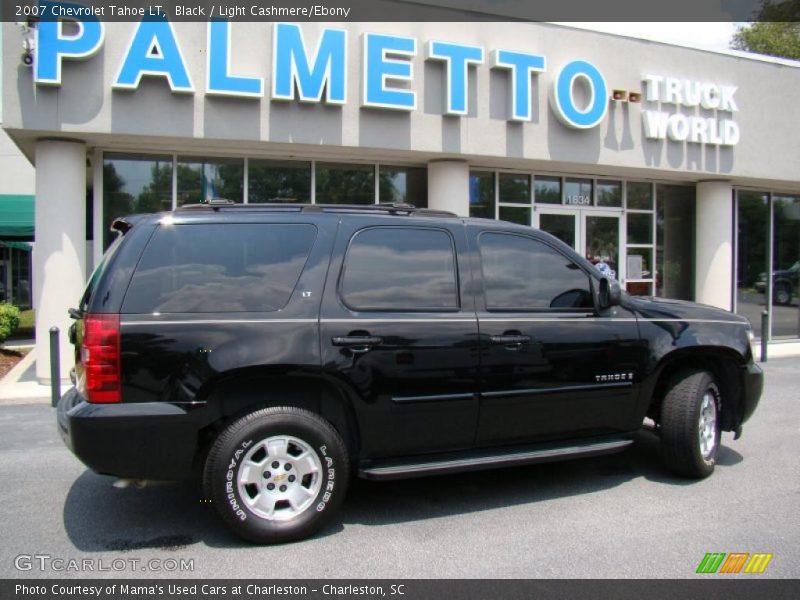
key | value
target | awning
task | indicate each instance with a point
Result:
(26, 246)
(16, 217)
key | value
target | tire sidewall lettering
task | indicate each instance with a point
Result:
(712, 460)
(329, 485)
(231, 493)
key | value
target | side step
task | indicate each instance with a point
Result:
(479, 460)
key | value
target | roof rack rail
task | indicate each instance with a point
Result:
(393, 208)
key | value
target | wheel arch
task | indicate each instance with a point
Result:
(724, 364)
(240, 392)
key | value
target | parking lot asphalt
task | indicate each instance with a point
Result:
(606, 517)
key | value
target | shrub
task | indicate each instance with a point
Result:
(9, 320)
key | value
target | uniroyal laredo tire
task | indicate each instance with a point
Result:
(683, 448)
(248, 457)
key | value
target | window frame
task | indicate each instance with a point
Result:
(340, 281)
(549, 310)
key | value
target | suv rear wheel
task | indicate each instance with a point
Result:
(276, 475)
(690, 424)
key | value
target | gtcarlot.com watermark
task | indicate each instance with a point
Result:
(60, 564)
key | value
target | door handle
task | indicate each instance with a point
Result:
(510, 339)
(356, 343)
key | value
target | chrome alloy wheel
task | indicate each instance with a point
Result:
(280, 477)
(707, 425)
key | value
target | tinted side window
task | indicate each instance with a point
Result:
(520, 273)
(219, 268)
(400, 269)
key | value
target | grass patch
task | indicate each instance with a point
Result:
(27, 326)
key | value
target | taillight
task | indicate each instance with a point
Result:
(100, 358)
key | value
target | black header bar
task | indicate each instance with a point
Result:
(710, 587)
(406, 10)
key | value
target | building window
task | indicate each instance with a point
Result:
(202, 179)
(752, 243)
(521, 215)
(639, 195)
(21, 277)
(481, 194)
(675, 224)
(640, 238)
(278, 181)
(547, 190)
(408, 185)
(785, 266)
(640, 228)
(578, 192)
(515, 189)
(609, 193)
(338, 183)
(15, 273)
(134, 184)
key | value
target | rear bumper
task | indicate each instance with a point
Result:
(753, 386)
(140, 441)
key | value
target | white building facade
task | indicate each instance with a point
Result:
(677, 169)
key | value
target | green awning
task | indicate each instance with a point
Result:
(26, 246)
(16, 217)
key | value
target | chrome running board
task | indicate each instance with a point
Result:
(450, 463)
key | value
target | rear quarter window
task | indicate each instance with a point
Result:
(219, 268)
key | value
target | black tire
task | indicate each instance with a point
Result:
(224, 467)
(782, 294)
(680, 424)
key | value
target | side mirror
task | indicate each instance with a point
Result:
(610, 293)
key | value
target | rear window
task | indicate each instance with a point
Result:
(219, 268)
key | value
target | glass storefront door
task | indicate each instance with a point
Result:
(597, 235)
(602, 233)
(562, 224)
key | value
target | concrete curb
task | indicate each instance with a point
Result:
(19, 344)
(787, 349)
(14, 374)
(14, 391)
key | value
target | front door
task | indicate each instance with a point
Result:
(399, 330)
(552, 365)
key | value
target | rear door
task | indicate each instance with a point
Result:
(399, 330)
(552, 366)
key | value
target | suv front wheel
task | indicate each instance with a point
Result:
(276, 475)
(690, 424)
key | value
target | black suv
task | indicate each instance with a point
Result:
(278, 349)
